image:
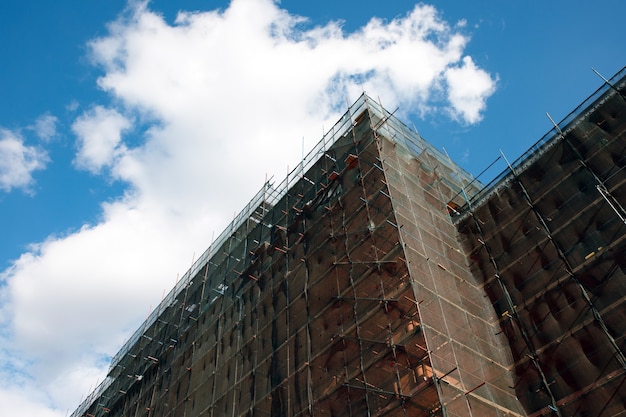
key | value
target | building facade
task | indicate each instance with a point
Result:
(547, 239)
(380, 279)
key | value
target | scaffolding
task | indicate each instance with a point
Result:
(548, 240)
(307, 304)
(380, 279)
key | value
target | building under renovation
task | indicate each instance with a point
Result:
(381, 279)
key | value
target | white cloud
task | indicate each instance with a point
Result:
(223, 98)
(18, 161)
(19, 401)
(99, 133)
(468, 90)
(45, 126)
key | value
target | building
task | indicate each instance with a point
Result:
(381, 279)
(547, 241)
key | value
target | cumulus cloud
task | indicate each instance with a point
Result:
(18, 161)
(19, 401)
(99, 133)
(468, 90)
(213, 102)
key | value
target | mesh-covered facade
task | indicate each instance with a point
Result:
(548, 240)
(380, 279)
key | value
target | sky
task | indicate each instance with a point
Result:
(131, 132)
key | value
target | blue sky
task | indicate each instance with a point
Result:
(123, 141)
